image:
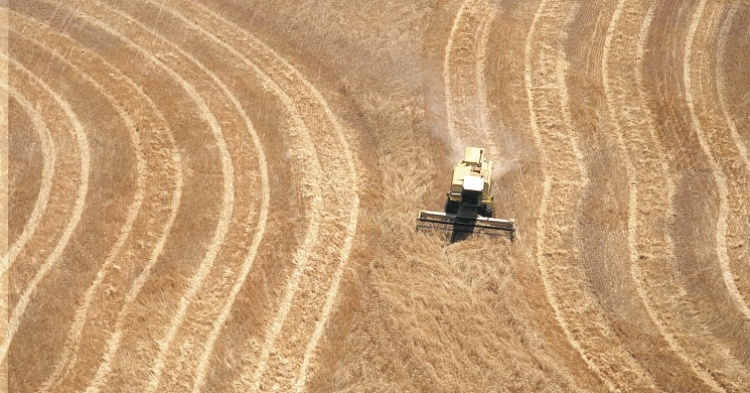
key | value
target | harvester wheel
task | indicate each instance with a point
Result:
(451, 207)
(486, 210)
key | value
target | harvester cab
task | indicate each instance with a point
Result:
(469, 206)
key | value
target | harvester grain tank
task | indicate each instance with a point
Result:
(469, 205)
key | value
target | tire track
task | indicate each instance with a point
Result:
(311, 102)
(75, 216)
(222, 227)
(716, 170)
(147, 173)
(554, 257)
(626, 123)
(48, 172)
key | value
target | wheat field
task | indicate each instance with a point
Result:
(221, 195)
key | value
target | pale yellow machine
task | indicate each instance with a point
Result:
(469, 206)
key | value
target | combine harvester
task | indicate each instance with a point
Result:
(469, 207)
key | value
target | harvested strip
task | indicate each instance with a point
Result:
(151, 148)
(655, 265)
(716, 170)
(710, 317)
(738, 176)
(311, 103)
(181, 366)
(577, 313)
(224, 215)
(49, 157)
(630, 120)
(77, 211)
(303, 148)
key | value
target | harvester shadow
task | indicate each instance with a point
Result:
(464, 226)
(458, 235)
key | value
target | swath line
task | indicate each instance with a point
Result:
(260, 227)
(300, 259)
(196, 282)
(81, 311)
(113, 343)
(75, 217)
(265, 201)
(71, 348)
(72, 344)
(224, 314)
(352, 171)
(547, 185)
(720, 76)
(633, 208)
(304, 149)
(49, 155)
(677, 309)
(554, 67)
(718, 174)
(317, 96)
(221, 230)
